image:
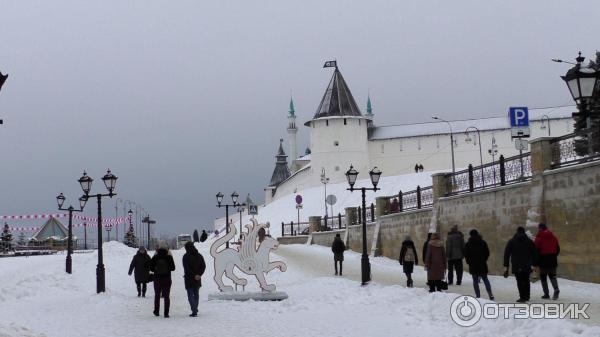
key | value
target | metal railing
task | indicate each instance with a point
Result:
(504, 172)
(573, 149)
(421, 197)
(294, 229)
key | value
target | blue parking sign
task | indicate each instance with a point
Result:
(519, 116)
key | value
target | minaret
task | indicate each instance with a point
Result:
(369, 116)
(292, 130)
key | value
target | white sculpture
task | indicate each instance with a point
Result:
(249, 259)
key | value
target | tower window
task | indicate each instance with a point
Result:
(345, 122)
(419, 143)
(337, 168)
(382, 148)
(336, 143)
(327, 122)
(359, 122)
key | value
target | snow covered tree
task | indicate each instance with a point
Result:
(196, 237)
(130, 238)
(6, 238)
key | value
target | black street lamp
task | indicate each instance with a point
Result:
(451, 144)
(468, 140)
(351, 175)
(234, 199)
(110, 181)
(148, 222)
(583, 83)
(241, 210)
(61, 201)
(547, 120)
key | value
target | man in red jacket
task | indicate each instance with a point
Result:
(548, 249)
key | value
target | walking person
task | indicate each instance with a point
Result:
(424, 252)
(548, 250)
(435, 262)
(203, 236)
(476, 256)
(162, 265)
(520, 251)
(408, 259)
(455, 248)
(193, 268)
(140, 264)
(338, 247)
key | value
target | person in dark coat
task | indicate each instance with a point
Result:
(424, 253)
(162, 264)
(394, 206)
(520, 251)
(476, 255)
(203, 236)
(548, 250)
(435, 261)
(408, 259)
(455, 247)
(338, 247)
(140, 263)
(193, 268)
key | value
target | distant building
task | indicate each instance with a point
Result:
(340, 136)
(52, 233)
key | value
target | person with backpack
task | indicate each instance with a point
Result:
(476, 255)
(338, 247)
(140, 263)
(521, 252)
(548, 250)
(162, 264)
(203, 236)
(408, 259)
(193, 268)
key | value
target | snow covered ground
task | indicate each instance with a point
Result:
(38, 299)
(284, 208)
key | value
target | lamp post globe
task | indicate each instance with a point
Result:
(82, 201)
(234, 197)
(219, 198)
(582, 81)
(351, 176)
(110, 181)
(86, 183)
(375, 174)
(60, 200)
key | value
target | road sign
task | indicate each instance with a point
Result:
(520, 132)
(519, 117)
(299, 206)
(252, 210)
(298, 199)
(521, 144)
(331, 200)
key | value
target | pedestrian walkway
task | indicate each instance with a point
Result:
(389, 272)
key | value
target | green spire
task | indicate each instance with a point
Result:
(369, 108)
(292, 110)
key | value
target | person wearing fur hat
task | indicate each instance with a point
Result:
(162, 264)
(140, 263)
(548, 250)
(476, 255)
(338, 247)
(435, 261)
(408, 259)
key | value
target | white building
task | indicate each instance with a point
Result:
(340, 136)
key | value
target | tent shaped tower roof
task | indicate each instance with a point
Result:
(281, 171)
(337, 100)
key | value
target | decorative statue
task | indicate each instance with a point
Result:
(249, 259)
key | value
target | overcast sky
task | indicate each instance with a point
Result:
(182, 99)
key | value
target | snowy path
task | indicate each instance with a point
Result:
(38, 299)
(318, 261)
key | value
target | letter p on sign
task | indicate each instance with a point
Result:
(519, 116)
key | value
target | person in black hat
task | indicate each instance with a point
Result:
(338, 247)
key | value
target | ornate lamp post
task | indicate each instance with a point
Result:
(117, 216)
(148, 222)
(234, 199)
(351, 175)
(241, 210)
(110, 181)
(583, 83)
(468, 140)
(493, 151)
(547, 120)
(325, 181)
(61, 201)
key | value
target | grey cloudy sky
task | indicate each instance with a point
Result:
(182, 99)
